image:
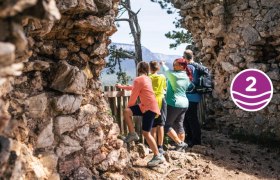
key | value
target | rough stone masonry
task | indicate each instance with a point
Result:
(233, 35)
(54, 120)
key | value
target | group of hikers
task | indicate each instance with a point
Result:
(165, 105)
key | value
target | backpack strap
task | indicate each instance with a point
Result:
(202, 70)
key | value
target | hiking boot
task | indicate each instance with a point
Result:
(159, 159)
(181, 146)
(131, 137)
(161, 151)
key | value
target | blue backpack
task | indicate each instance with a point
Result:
(204, 84)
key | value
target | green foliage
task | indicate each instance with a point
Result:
(180, 37)
(123, 78)
(165, 4)
(117, 55)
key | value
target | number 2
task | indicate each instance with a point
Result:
(250, 87)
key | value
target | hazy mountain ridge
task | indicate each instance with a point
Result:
(128, 65)
(147, 54)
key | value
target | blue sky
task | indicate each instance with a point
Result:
(154, 23)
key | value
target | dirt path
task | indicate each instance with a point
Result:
(220, 158)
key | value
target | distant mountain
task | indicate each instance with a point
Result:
(146, 53)
(128, 64)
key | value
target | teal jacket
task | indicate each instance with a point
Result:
(177, 84)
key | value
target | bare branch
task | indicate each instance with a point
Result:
(123, 19)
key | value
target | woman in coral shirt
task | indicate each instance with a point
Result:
(147, 108)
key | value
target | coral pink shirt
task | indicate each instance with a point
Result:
(142, 87)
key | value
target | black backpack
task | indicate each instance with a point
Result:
(204, 84)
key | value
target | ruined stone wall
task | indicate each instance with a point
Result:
(60, 125)
(233, 35)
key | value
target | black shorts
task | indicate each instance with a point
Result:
(160, 121)
(148, 117)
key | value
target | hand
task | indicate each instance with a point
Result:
(118, 85)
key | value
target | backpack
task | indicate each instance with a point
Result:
(204, 84)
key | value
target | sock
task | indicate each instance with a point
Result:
(159, 146)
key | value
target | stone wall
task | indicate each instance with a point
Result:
(54, 120)
(233, 35)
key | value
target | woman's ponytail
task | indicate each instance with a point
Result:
(183, 62)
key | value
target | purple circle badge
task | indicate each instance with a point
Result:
(251, 90)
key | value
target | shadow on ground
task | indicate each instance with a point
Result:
(219, 158)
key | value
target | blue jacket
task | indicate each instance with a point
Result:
(194, 97)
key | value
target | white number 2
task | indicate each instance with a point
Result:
(250, 87)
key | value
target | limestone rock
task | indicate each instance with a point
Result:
(253, 4)
(68, 146)
(271, 3)
(276, 99)
(114, 132)
(7, 54)
(64, 123)
(66, 167)
(62, 53)
(99, 49)
(228, 67)
(67, 104)
(109, 175)
(87, 115)
(46, 137)
(251, 35)
(235, 58)
(271, 15)
(219, 10)
(4, 150)
(36, 65)
(95, 24)
(37, 105)
(49, 161)
(54, 176)
(69, 79)
(218, 31)
(99, 158)
(66, 140)
(12, 70)
(20, 40)
(103, 5)
(274, 74)
(112, 157)
(47, 49)
(12, 8)
(94, 141)
(82, 132)
(261, 66)
(83, 173)
(77, 6)
(209, 42)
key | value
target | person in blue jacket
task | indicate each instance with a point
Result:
(191, 123)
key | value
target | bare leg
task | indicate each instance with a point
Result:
(174, 136)
(127, 113)
(151, 141)
(181, 136)
(160, 135)
(154, 132)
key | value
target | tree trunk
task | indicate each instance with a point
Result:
(135, 31)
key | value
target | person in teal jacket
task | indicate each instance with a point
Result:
(176, 100)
